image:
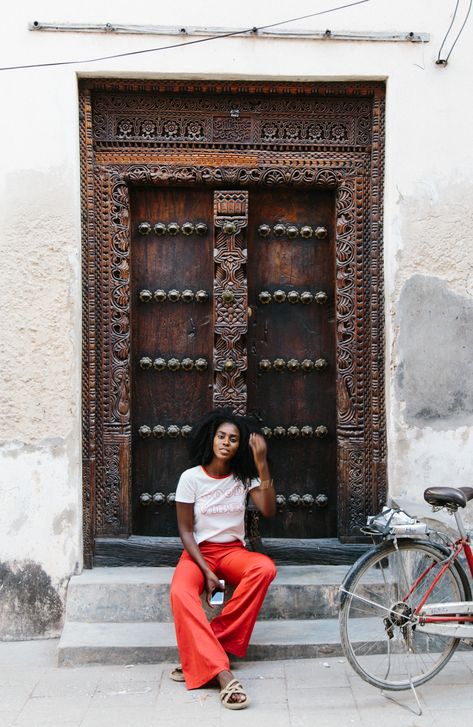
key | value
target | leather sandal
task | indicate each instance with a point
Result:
(177, 675)
(234, 687)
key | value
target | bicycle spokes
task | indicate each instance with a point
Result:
(379, 623)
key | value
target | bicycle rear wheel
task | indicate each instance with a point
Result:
(378, 636)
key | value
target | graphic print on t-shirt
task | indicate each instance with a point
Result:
(211, 502)
(219, 504)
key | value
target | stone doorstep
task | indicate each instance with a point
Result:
(127, 594)
(122, 616)
(147, 643)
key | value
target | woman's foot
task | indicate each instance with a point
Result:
(177, 674)
(232, 694)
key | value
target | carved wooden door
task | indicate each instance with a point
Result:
(291, 353)
(233, 305)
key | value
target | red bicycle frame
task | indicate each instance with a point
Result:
(462, 544)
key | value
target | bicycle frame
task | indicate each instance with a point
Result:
(454, 619)
(398, 629)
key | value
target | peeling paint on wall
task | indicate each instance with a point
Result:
(434, 376)
(37, 360)
(436, 225)
(40, 520)
(29, 604)
(64, 521)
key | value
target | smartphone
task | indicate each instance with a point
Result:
(217, 596)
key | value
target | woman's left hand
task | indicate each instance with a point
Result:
(259, 448)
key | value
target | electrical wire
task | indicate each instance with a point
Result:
(189, 42)
(460, 31)
(444, 61)
(448, 31)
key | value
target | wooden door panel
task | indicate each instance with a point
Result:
(167, 330)
(177, 330)
(300, 332)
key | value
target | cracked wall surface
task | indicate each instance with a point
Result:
(30, 605)
(40, 491)
(436, 232)
(430, 319)
(434, 375)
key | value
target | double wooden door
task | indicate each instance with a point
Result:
(233, 305)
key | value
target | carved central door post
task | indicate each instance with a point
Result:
(230, 300)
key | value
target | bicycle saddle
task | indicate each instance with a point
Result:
(452, 497)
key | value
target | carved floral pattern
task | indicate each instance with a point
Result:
(163, 128)
(111, 508)
(302, 132)
(283, 130)
(231, 322)
(262, 120)
(345, 303)
(351, 463)
(228, 129)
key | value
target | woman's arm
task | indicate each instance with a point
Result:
(185, 523)
(263, 497)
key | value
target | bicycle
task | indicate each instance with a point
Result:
(406, 602)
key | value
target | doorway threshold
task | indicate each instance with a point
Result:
(139, 550)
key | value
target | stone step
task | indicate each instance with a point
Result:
(121, 595)
(145, 643)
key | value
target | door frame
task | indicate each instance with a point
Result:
(109, 166)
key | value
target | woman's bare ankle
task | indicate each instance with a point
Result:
(223, 677)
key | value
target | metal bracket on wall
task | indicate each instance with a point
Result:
(195, 30)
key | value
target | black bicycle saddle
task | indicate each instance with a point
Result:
(452, 497)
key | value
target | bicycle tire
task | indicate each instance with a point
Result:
(383, 652)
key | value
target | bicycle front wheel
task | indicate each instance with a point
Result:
(377, 622)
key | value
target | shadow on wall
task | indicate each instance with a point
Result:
(30, 607)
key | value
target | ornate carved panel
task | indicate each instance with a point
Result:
(228, 135)
(186, 118)
(230, 299)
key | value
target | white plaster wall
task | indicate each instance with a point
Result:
(428, 218)
(40, 491)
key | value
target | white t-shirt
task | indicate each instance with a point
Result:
(219, 504)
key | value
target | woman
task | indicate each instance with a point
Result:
(228, 455)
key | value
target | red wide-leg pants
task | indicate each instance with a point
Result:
(203, 646)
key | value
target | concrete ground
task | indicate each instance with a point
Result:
(34, 692)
